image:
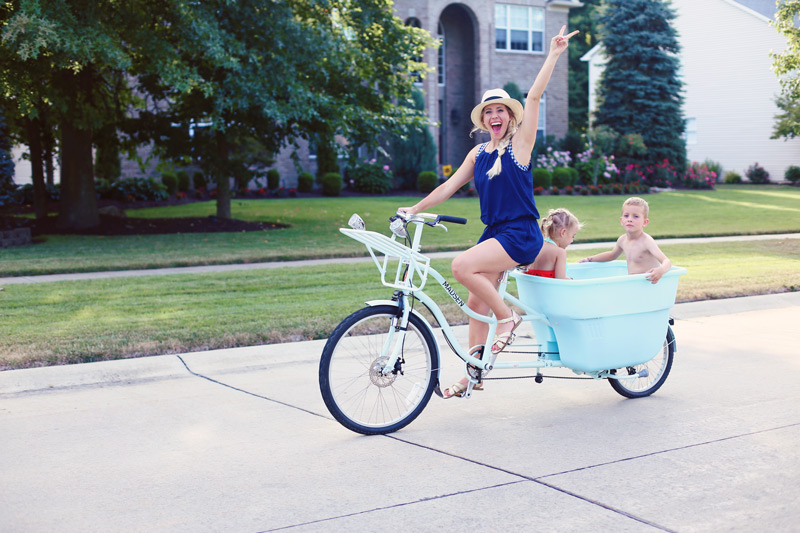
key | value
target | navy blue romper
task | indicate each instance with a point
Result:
(507, 205)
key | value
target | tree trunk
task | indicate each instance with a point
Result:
(48, 142)
(34, 127)
(223, 178)
(78, 199)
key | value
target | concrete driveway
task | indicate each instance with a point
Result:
(240, 440)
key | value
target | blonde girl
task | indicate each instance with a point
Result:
(559, 229)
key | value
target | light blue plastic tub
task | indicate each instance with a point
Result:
(603, 318)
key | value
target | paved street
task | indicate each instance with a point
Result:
(240, 440)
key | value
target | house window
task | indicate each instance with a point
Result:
(690, 132)
(440, 59)
(541, 128)
(519, 28)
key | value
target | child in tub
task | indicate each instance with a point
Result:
(559, 229)
(640, 249)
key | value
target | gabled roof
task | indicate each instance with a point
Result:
(765, 8)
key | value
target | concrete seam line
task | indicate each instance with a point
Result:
(212, 380)
(604, 506)
(393, 506)
(535, 480)
(670, 450)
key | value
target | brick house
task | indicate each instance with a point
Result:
(484, 45)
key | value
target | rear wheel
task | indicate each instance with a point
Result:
(356, 391)
(657, 371)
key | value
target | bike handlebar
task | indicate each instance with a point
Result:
(422, 217)
(454, 220)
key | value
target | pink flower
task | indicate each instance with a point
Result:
(386, 167)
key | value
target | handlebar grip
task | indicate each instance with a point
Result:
(454, 220)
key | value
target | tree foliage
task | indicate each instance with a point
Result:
(262, 70)
(787, 122)
(414, 150)
(640, 91)
(584, 19)
(786, 65)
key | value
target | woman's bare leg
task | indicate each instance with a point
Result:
(478, 269)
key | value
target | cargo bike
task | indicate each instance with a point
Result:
(380, 366)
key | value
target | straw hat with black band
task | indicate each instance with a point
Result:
(496, 96)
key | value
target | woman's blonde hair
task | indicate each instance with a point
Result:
(501, 147)
(557, 219)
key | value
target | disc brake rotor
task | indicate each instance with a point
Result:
(376, 375)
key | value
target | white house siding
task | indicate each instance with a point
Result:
(729, 85)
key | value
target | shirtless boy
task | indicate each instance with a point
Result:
(640, 249)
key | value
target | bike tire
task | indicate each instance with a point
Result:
(356, 394)
(658, 369)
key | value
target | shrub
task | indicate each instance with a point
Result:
(199, 180)
(562, 177)
(757, 174)
(551, 159)
(130, 189)
(370, 177)
(427, 181)
(331, 184)
(273, 179)
(554, 191)
(715, 167)
(732, 177)
(183, 180)
(542, 178)
(23, 195)
(792, 174)
(698, 176)
(170, 182)
(574, 174)
(305, 182)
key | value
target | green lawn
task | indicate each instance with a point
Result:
(729, 210)
(77, 321)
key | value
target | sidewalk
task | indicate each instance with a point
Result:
(285, 264)
(240, 440)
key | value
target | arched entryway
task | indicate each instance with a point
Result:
(457, 80)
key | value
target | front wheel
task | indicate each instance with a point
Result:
(356, 391)
(657, 371)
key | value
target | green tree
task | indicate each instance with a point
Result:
(413, 150)
(787, 67)
(787, 122)
(271, 71)
(581, 18)
(63, 63)
(514, 91)
(640, 91)
(280, 71)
